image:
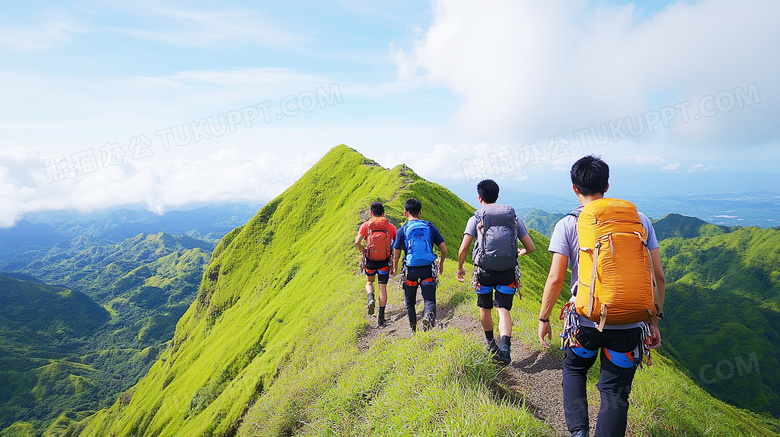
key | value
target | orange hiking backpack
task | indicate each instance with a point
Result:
(616, 278)
(378, 243)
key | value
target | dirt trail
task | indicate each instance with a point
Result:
(533, 377)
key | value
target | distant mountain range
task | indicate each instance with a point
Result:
(45, 229)
(758, 208)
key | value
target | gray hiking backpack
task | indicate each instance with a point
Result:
(496, 245)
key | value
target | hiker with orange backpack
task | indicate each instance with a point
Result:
(496, 229)
(617, 286)
(379, 234)
(417, 239)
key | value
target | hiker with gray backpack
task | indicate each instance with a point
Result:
(497, 230)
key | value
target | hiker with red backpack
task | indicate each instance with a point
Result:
(617, 286)
(496, 229)
(417, 239)
(379, 234)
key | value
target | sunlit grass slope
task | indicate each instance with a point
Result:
(269, 345)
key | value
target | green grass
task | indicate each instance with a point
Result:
(436, 383)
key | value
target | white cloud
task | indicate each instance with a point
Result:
(674, 166)
(700, 168)
(222, 176)
(529, 70)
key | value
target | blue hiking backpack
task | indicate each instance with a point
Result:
(419, 244)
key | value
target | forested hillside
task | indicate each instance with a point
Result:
(130, 295)
(269, 347)
(723, 303)
(542, 221)
(40, 327)
(676, 225)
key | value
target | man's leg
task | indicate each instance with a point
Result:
(617, 374)
(428, 289)
(370, 292)
(486, 318)
(383, 276)
(503, 305)
(485, 304)
(410, 298)
(575, 377)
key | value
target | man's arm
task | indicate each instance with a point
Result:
(528, 245)
(394, 263)
(462, 253)
(359, 243)
(660, 281)
(443, 249)
(552, 290)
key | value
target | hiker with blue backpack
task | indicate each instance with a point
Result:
(617, 286)
(417, 239)
(496, 229)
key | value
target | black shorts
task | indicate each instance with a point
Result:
(490, 280)
(381, 268)
(419, 277)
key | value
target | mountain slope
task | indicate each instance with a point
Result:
(676, 225)
(269, 345)
(542, 221)
(146, 283)
(40, 326)
(724, 308)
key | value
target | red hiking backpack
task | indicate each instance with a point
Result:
(378, 243)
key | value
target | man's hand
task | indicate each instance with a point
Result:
(521, 252)
(441, 267)
(461, 273)
(545, 331)
(654, 340)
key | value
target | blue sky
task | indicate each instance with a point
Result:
(167, 103)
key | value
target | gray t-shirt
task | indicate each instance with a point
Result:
(564, 240)
(471, 227)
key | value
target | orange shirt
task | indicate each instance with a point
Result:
(363, 231)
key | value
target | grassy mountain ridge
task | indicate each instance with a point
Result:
(259, 318)
(269, 345)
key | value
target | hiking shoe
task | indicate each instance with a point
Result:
(371, 304)
(504, 357)
(381, 323)
(580, 433)
(428, 322)
(492, 348)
